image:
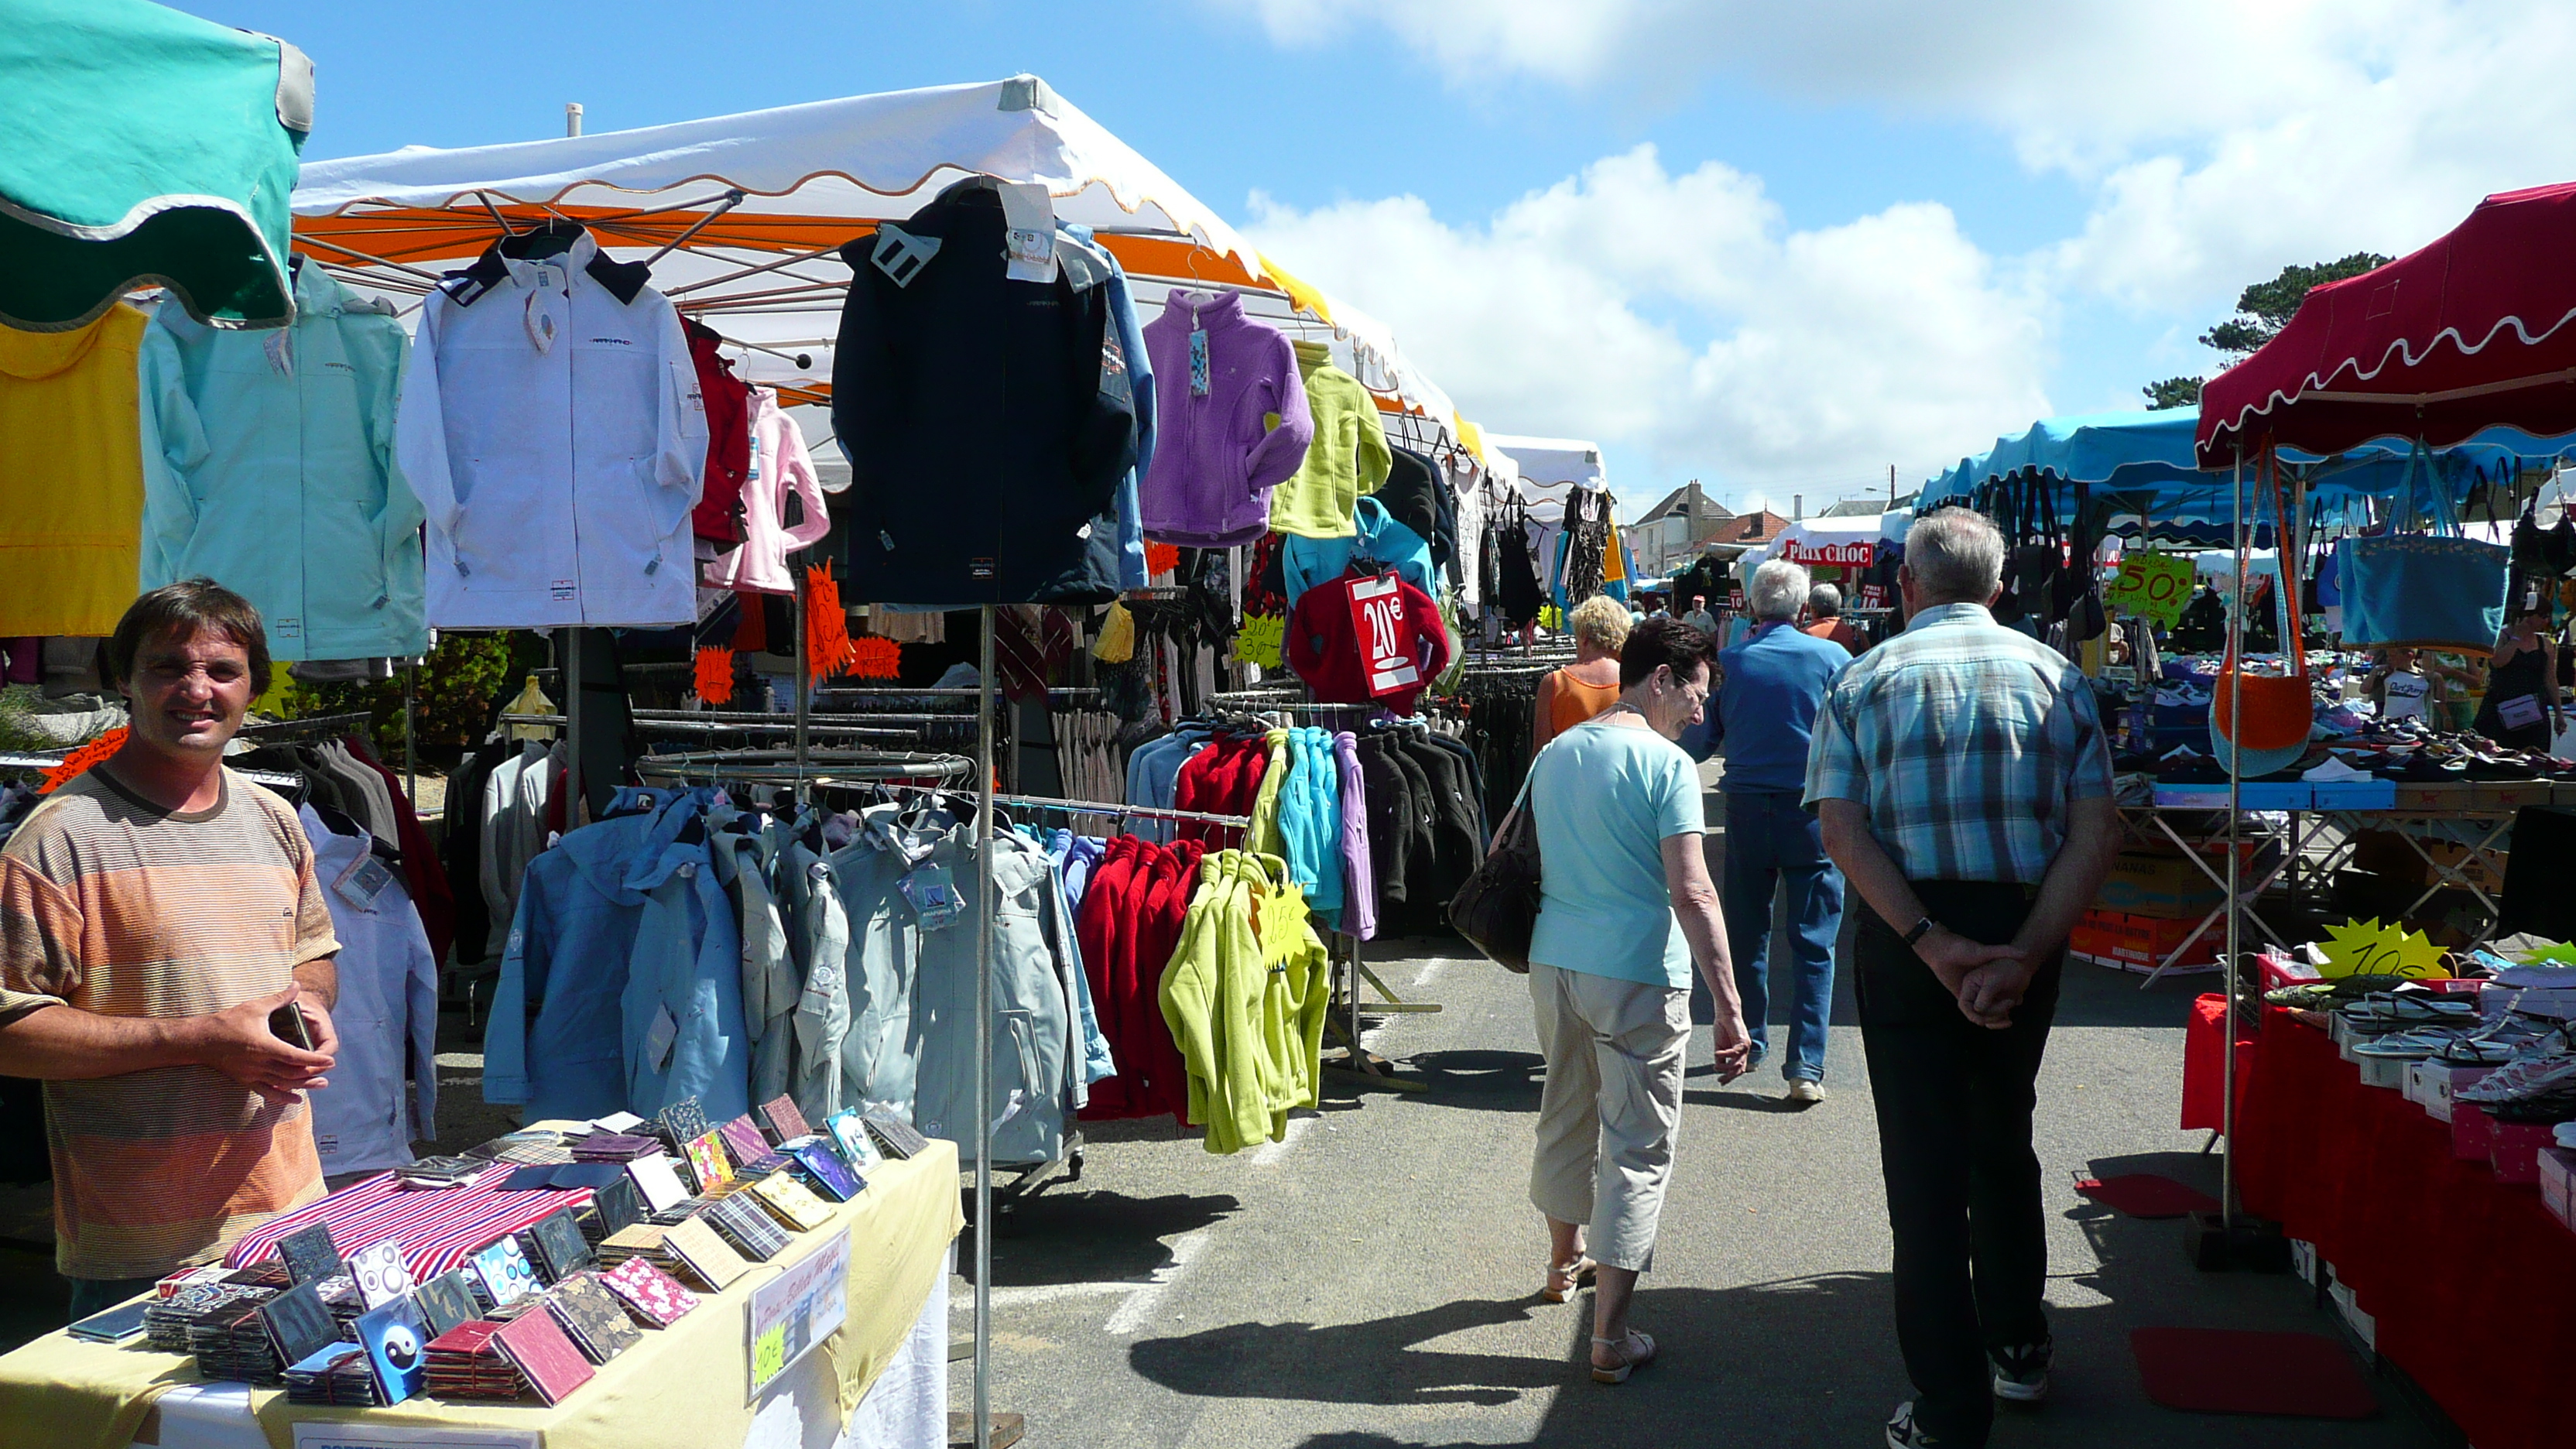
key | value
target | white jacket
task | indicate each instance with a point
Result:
(779, 465)
(552, 426)
(387, 1015)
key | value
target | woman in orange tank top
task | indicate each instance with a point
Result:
(1591, 683)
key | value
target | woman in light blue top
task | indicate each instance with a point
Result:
(1625, 911)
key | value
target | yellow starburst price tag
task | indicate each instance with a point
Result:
(2367, 948)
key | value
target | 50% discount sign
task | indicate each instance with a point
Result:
(2153, 586)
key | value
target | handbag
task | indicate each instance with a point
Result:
(2264, 720)
(1496, 907)
(2433, 590)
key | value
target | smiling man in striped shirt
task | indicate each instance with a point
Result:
(154, 912)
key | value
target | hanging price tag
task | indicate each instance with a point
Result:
(2153, 586)
(1378, 620)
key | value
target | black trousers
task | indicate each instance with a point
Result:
(1954, 1105)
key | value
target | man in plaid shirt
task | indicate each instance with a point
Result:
(1963, 784)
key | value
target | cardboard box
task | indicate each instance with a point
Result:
(2562, 792)
(2140, 943)
(2387, 853)
(2356, 794)
(2516, 1147)
(2558, 1183)
(2163, 885)
(2472, 1132)
(2509, 794)
(2445, 798)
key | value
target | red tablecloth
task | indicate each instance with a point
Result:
(2472, 1282)
(2204, 1070)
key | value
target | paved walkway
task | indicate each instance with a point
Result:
(1370, 1283)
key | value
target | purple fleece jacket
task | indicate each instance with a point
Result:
(1214, 463)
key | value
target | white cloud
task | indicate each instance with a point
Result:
(2220, 139)
(1678, 316)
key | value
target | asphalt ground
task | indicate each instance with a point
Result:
(1370, 1282)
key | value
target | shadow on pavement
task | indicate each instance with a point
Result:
(1099, 1237)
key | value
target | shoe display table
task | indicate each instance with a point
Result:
(2471, 1281)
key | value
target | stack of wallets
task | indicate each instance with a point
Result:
(396, 1337)
(382, 1272)
(556, 1245)
(438, 1172)
(619, 1204)
(234, 1345)
(640, 1240)
(308, 1253)
(502, 1275)
(614, 1147)
(894, 1136)
(340, 1295)
(592, 1318)
(658, 1179)
(446, 1302)
(536, 1147)
(299, 1325)
(269, 1274)
(707, 1258)
(536, 1346)
(651, 1295)
(682, 1122)
(709, 1166)
(166, 1324)
(752, 1232)
(823, 1168)
(791, 1202)
(749, 1150)
(463, 1364)
(337, 1373)
(784, 1121)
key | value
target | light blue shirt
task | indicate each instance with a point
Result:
(1607, 796)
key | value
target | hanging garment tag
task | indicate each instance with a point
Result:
(1377, 618)
(901, 255)
(280, 347)
(659, 1039)
(1028, 213)
(362, 885)
(933, 896)
(1198, 362)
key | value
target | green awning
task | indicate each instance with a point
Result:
(139, 146)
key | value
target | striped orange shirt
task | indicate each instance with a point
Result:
(112, 905)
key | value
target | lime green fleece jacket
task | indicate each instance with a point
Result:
(1348, 457)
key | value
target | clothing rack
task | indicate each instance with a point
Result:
(820, 767)
(48, 759)
(328, 724)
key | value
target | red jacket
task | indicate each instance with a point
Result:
(1324, 648)
(728, 400)
(1128, 926)
(1223, 779)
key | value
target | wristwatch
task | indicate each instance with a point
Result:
(1921, 929)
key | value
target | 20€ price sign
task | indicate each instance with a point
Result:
(1385, 636)
(2154, 586)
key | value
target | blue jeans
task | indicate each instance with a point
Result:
(97, 1295)
(1772, 843)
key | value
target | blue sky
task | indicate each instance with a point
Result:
(1861, 235)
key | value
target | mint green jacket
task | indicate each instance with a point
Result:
(268, 466)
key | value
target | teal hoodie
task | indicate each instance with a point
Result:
(268, 466)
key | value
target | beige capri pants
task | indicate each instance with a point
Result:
(1613, 1099)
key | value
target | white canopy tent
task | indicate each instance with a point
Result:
(742, 218)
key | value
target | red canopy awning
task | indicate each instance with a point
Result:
(2468, 333)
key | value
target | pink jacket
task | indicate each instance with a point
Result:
(779, 462)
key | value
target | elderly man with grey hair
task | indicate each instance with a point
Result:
(1825, 618)
(1768, 692)
(1964, 786)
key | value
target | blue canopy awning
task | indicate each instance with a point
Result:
(2144, 462)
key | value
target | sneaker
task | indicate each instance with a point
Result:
(1902, 1432)
(2021, 1372)
(1804, 1092)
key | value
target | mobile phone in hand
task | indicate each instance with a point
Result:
(287, 1025)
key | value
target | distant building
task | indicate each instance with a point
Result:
(1668, 535)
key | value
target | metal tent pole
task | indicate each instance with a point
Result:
(984, 1037)
(570, 682)
(2235, 786)
(804, 678)
(411, 754)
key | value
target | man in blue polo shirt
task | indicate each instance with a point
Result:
(1772, 685)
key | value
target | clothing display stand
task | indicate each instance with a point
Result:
(984, 1033)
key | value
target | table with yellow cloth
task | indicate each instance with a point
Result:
(683, 1387)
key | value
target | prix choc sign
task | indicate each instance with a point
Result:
(1829, 555)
